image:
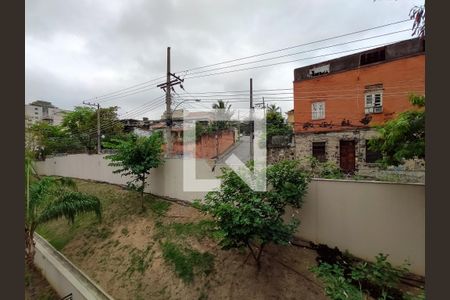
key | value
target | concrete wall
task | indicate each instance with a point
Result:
(365, 218)
(166, 181)
(63, 276)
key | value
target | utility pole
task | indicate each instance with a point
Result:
(251, 120)
(99, 147)
(264, 109)
(167, 87)
(168, 107)
(239, 126)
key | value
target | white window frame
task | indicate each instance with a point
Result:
(371, 104)
(318, 110)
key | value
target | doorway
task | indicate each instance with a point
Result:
(347, 156)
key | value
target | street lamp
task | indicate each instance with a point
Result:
(194, 100)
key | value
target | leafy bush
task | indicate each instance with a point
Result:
(379, 279)
(337, 286)
(403, 138)
(327, 169)
(247, 217)
(380, 273)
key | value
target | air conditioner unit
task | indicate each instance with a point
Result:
(374, 110)
(378, 109)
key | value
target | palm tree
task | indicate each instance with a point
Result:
(223, 112)
(272, 108)
(49, 199)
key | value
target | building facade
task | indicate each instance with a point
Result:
(338, 102)
(38, 111)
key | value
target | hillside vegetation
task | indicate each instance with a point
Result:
(170, 251)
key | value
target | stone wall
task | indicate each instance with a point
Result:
(303, 144)
(411, 171)
(280, 153)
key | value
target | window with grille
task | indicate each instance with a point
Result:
(318, 151)
(318, 110)
(374, 102)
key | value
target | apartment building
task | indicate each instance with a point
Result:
(43, 111)
(338, 102)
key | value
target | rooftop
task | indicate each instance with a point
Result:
(373, 56)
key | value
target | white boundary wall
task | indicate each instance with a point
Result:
(63, 276)
(367, 218)
(166, 181)
(363, 217)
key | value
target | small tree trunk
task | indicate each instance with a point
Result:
(258, 258)
(142, 194)
(30, 249)
(252, 252)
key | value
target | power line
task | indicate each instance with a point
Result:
(296, 46)
(124, 89)
(302, 52)
(261, 91)
(129, 89)
(126, 94)
(291, 61)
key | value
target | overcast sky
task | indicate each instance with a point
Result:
(77, 50)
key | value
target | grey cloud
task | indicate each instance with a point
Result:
(125, 42)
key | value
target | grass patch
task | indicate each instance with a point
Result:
(158, 207)
(101, 233)
(187, 262)
(200, 230)
(57, 236)
(139, 260)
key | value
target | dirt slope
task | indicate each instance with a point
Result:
(170, 252)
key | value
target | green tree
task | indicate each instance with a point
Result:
(45, 139)
(275, 123)
(49, 199)
(136, 157)
(81, 124)
(254, 219)
(403, 138)
(222, 112)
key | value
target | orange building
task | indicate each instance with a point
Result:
(337, 102)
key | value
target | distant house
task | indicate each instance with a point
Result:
(290, 117)
(199, 116)
(44, 111)
(338, 102)
(139, 127)
(207, 146)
